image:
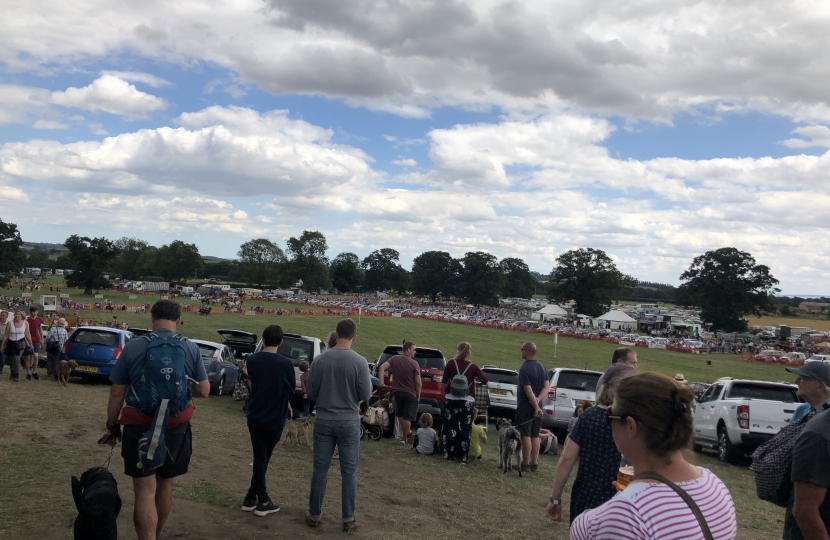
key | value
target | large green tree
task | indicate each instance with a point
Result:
(178, 261)
(261, 261)
(127, 263)
(10, 259)
(308, 260)
(518, 281)
(481, 278)
(383, 272)
(727, 284)
(91, 257)
(347, 272)
(588, 277)
(434, 273)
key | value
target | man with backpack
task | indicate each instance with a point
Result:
(152, 375)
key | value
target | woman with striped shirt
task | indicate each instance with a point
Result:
(651, 421)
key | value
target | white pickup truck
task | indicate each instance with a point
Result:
(736, 416)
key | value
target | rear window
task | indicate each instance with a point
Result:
(502, 377)
(575, 380)
(207, 351)
(762, 391)
(96, 337)
(427, 359)
(296, 349)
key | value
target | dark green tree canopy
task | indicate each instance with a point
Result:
(347, 272)
(434, 273)
(518, 281)
(382, 270)
(588, 277)
(308, 260)
(481, 278)
(260, 261)
(727, 284)
(178, 261)
(10, 243)
(128, 262)
(91, 257)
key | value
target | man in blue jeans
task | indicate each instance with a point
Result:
(338, 381)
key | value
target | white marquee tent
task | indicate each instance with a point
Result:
(616, 320)
(550, 311)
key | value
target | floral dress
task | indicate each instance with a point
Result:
(457, 427)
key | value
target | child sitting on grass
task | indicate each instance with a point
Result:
(477, 437)
(388, 419)
(426, 439)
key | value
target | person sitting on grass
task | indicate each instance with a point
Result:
(388, 430)
(548, 443)
(477, 437)
(426, 439)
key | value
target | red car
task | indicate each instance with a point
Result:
(432, 364)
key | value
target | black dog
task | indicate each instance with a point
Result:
(98, 503)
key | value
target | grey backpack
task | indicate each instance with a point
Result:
(459, 387)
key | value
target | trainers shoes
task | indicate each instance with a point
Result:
(268, 507)
(534, 468)
(350, 526)
(249, 503)
(311, 522)
(28, 377)
(35, 376)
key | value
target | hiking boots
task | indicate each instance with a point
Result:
(265, 508)
(249, 503)
(350, 526)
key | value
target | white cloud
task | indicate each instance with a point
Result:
(18, 103)
(97, 129)
(405, 162)
(814, 136)
(49, 124)
(110, 94)
(139, 77)
(407, 58)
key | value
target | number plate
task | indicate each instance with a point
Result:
(498, 392)
(87, 368)
(587, 403)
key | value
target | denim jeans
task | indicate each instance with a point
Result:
(306, 403)
(345, 435)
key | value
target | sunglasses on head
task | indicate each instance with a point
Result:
(612, 416)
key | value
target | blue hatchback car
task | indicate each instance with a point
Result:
(96, 349)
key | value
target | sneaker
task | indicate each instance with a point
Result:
(35, 376)
(525, 468)
(534, 468)
(350, 526)
(311, 522)
(249, 503)
(28, 377)
(268, 507)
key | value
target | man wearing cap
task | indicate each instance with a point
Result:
(808, 514)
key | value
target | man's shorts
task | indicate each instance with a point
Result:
(406, 406)
(179, 448)
(36, 346)
(528, 424)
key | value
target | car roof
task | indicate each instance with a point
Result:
(559, 369)
(499, 369)
(237, 333)
(417, 348)
(206, 342)
(103, 329)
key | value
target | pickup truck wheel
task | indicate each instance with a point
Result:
(727, 452)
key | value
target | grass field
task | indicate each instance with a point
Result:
(49, 434)
(822, 325)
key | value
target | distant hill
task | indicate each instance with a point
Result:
(209, 258)
(44, 246)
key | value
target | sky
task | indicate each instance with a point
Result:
(652, 130)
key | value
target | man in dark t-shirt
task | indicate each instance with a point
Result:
(406, 386)
(272, 380)
(533, 386)
(808, 515)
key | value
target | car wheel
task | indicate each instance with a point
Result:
(727, 452)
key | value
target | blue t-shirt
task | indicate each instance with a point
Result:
(533, 374)
(272, 382)
(127, 370)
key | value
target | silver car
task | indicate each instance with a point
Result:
(568, 387)
(220, 365)
(502, 386)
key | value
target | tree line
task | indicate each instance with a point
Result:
(726, 284)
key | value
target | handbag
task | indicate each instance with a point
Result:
(707, 534)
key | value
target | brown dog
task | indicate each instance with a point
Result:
(294, 432)
(64, 368)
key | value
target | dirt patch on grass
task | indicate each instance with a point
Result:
(49, 434)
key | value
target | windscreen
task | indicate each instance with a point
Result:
(575, 380)
(762, 391)
(501, 377)
(296, 349)
(96, 337)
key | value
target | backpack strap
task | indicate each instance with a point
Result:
(704, 528)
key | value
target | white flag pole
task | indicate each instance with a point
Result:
(555, 343)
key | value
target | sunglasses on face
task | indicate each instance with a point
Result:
(612, 416)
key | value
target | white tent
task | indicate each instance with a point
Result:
(550, 311)
(616, 320)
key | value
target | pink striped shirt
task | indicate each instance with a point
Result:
(653, 511)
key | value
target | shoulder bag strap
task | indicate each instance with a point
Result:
(707, 534)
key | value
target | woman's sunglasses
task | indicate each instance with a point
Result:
(612, 416)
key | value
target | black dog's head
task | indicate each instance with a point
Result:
(96, 497)
(503, 423)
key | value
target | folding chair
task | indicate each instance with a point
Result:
(482, 404)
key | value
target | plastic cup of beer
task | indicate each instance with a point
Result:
(624, 477)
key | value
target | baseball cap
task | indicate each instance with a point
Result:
(813, 370)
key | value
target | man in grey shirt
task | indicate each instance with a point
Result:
(338, 381)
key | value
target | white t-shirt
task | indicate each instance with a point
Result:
(653, 511)
(426, 440)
